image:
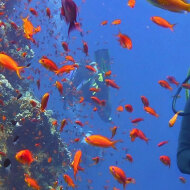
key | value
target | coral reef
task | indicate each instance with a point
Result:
(35, 133)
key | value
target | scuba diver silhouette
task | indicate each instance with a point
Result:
(183, 151)
(82, 81)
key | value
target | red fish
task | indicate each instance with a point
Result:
(98, 101)
(137, 120)
(124, 41)
(91, 68)
(165, 84)
(129, 108)
(31, 182)
(111, 83)
(165, 160)
(137, 133)
(172, 80)
(69, 180)
(48, 12)
(79, 123)
(33, 11)
(129, 157)
(85, 48)
(65, 46)
(162, 143)
(24, 157)
(76, 162)
(145, 101)
(69, 11)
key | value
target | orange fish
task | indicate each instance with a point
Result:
(120, 176)
(96, 160)
(113, 130)
(186, 86)
(165, 84)
(101, 141)
(165, 160)
(54, 123)
(104, 22)
(59, 87)
(48, 64)
(145, 101)
(95, 89)
(111, 83)
(76, 162)
(31, 182)
(81, 99)
(24, 157)
(69, 180)
(162, 22)
(10, 64)
(124, 41)
(173, 119)
(70, 58)
(171, 5)
(98, 101)
(44, 102)
(33, 11)
(131, 3)
(137, 120)
(120, 109)
(29, 29)
(91, 68)
(65, 69)
(48, 12)
(116, 22)
(151, 111)
(129, 108)
(108, 73)
(137, 133)
(33, 103)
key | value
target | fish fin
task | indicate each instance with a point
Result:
(171, 28)
(114, 142)
(18, 71)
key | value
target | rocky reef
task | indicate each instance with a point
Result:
(20, 118)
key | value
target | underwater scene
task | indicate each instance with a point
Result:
(94, 94)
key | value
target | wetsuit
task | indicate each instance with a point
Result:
(183, 152)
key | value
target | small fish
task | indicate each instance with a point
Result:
(137, 120)
(113, 130)
(165, 160)
(101, 141)
(116, 22)
(19, 96)
(7, 165)
(103, 22)
(31, 182)
(65, 46)
(111, 83)
(120, 109)
(182, 179)
(162, 22)
(131, 3)
(69, 180)
(91, 68)
(137, 133)
(85, 48)
(44, 102)
(172, 80)
(165, 84)
(15, 140)
(162, 143)
(186, 86)
(173, 119)
(76, 161)
(145, 101)
(151, 111)
(33, 11)
(48, 64)
(48, 12)
(129, 108)
(129, 157)
(124, 41)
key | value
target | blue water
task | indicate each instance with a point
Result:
(157, 52)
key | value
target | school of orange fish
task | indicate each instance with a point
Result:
(69, 12)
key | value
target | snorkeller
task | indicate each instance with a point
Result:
(83, 80)
(183, 151)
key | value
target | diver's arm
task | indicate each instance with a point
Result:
(183, 152)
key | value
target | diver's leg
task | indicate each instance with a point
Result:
(183, 161)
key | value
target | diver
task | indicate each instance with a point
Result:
(81, 81)
(183, 151)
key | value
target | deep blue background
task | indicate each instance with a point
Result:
(157, 52)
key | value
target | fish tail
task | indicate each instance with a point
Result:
(172, 27)
(71, 27)
(114, 142)
(19, 70)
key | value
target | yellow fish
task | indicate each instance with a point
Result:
(171, 5)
